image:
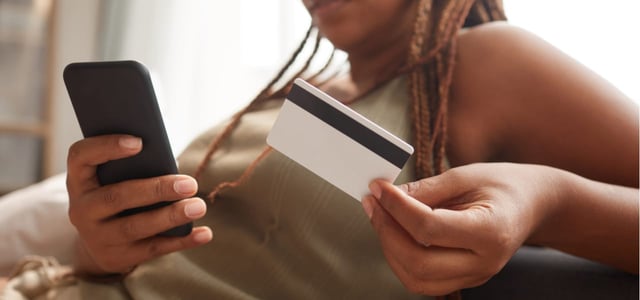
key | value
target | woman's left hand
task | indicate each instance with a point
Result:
(458, 229)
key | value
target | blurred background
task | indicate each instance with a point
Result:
(209, 58)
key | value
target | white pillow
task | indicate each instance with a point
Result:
(34, 220)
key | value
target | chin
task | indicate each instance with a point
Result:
(343, 37)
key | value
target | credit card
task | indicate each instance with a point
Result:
(335, 142)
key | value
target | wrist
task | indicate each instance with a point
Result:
(551, 203)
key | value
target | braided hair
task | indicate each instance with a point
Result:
(429, 67)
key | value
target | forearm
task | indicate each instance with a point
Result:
(594, 220)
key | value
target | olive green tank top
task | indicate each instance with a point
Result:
(285, 233)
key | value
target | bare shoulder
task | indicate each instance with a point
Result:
(505, 54)
(523, 100)
(495, 39)
(486, 60)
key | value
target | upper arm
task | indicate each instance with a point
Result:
(541, 106)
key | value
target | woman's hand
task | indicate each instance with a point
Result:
(458, 229)
(109, 244)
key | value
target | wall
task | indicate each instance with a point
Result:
(76, 24)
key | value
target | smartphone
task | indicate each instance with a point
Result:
(117, 97)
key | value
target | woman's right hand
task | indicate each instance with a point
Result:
(109, 244)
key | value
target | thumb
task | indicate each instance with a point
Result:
(441, 227)
(436, 190)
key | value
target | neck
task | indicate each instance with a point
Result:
(367, 71)
(379, 59)
(370, 68)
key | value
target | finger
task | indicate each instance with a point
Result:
(150, 223)
(435, 191)
(416, 260)
(424, 270)
(441, 227)
(85, 155)
(159, 245)
(153, 247)
(112, 199)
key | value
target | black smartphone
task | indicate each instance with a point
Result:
(117, 97)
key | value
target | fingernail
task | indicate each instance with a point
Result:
(130, 142)
(195, 209)
(186, 186)
(202, 236)
(366, 204)
(375, 189)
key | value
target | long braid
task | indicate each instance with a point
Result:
(420, 113)
(429, 66)
(445, 65)
(267, 94)
(325, 67)
(280, 93)
(451, 19)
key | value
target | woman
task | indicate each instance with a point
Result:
(485, 93)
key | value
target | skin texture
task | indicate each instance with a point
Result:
(377, 41)
(514, 98)
(108, 245)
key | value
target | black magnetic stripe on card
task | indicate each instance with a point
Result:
(348, 126)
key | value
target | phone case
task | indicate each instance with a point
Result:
(117, 97)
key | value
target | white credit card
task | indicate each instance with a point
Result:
(335, 142)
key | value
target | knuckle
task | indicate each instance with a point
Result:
(408, 187)
(155, 248)
(111, 199)
(175, 216)
(129, 229)
(157, 187)
(74, 216)
(73, 152)
(420, 189)
(414, 187)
